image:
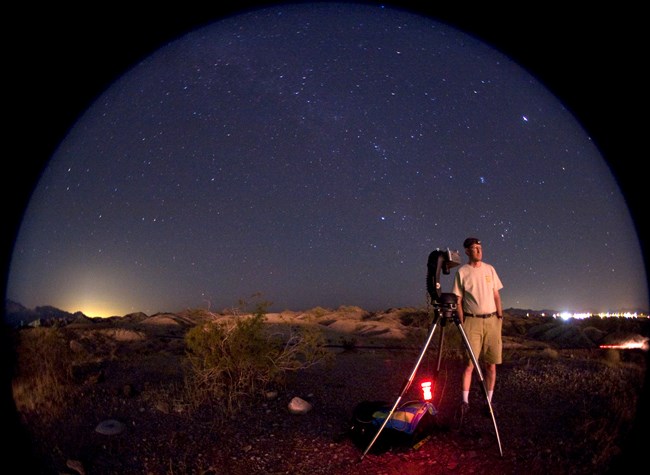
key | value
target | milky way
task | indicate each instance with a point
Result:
(316, 154)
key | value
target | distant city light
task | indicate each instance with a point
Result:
(582, 315)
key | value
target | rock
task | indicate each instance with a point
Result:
(162, 406)
(299, 406)
(110, 427)
(77, 466)
(271, 395)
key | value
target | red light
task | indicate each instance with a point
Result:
(426, 390)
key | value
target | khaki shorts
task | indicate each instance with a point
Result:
(484, 335)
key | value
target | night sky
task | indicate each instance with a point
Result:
(316, 154)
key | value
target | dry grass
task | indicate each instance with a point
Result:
(45, 363)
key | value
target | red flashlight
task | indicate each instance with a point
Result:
(426, 390)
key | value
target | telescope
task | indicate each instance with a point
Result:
(445, 307)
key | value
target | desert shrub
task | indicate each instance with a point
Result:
(415, 318)
(199, 314)
(612, 356)
(594, 334)
(550, 353)
(348, 310)
(235, 359)
(541, 331)
(349, 344)
(44, 362)
(611, 325)
(369, 316)
(452, 341)
(566, 336)
(511, 327)
(318, 312)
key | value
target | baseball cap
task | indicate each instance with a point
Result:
(470, 241)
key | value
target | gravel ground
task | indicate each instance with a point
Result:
(554, 415)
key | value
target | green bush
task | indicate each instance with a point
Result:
(237, 358)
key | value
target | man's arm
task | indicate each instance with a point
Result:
(457, 290)
(497, 301)
(459, 308)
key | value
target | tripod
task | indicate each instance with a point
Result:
(444, 309)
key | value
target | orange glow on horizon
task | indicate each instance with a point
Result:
(93, 307)
(101, 311)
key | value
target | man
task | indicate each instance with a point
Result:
(477, 285)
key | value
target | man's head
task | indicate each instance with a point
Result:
(473, 249)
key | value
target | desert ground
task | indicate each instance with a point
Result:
(562, 404)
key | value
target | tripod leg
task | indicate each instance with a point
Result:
(480, 376)
(442, 336)
(406, 387)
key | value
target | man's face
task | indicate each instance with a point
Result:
(474, 252)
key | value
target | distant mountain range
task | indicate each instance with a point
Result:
(17, 315)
